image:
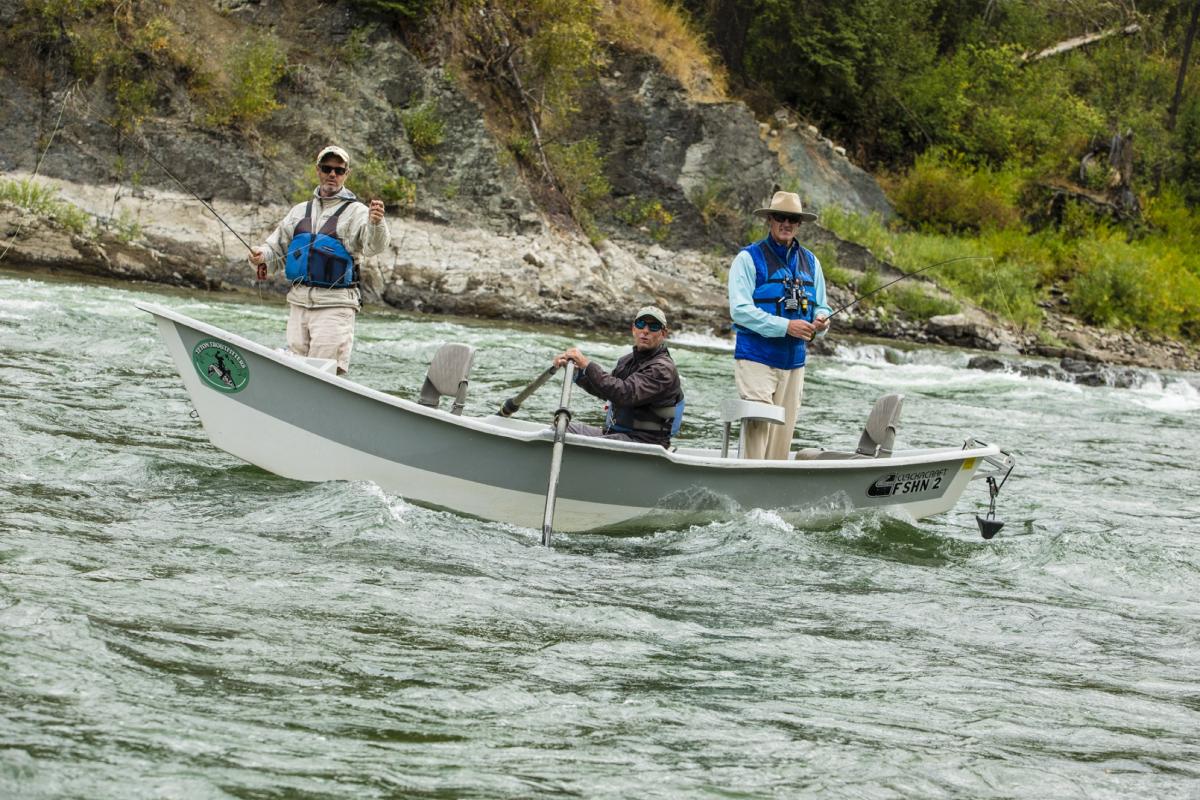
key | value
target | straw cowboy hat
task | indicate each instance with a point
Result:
(786, 203)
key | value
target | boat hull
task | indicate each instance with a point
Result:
(498, 470)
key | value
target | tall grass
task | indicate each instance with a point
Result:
(43, 201)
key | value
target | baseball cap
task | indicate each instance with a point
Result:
(334, 150)
(653, 312)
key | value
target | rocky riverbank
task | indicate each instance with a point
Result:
(543, 276)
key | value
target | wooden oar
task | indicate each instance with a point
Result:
(561, 418)
(513, 404)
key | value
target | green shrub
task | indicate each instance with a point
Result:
(834, 274)
(945, 194)
(253, 70)
(646, 214)
(357, 47)
(425, 128)
(1151, 285)
(372, 178)
(127, 227)
(869, 284)
(132, 56)
(579, 169)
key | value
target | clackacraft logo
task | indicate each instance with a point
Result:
(220, 366)
(907, 483)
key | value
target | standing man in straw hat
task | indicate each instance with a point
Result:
(322, 241)
(777, 302)
(645, 398)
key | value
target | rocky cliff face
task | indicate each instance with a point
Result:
(474, 242)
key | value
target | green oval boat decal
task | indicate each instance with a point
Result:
(222, 367)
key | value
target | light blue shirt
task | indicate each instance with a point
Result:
(751, 317)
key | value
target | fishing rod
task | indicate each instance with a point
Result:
(908, 275)
(261, 273)
(187, 189)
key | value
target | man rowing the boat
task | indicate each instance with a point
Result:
(777, 302)
(323, 241)
(645, 399)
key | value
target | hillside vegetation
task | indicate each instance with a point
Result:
(993, 141)
(1060, 140)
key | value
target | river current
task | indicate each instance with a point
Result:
(175, 623)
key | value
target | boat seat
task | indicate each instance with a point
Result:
(447, 376)
(878, 436)
(741, 410)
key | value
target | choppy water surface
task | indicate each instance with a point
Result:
(175, 623)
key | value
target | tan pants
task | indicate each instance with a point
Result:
(781, 387)
(322, 333)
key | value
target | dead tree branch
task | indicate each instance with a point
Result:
(1067, 45)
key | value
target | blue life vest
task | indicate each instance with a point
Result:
(773, 283)
(320, 259)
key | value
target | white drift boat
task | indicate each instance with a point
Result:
(497, 468)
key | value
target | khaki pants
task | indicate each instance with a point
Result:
(781, 387)
(322, 333)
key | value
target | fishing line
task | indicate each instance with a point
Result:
(184, 186)
(261, 273)
(909, 275)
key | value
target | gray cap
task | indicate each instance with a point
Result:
(653, 312)
(334, 150)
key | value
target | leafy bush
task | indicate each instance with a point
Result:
(253, 70)
(834, 274)
(579, 168)
(550, 46)
(1150, 286)
(425, 128)
(126, 227)
(1187, 148)
(357, 47)
(947, 195)
(868, 285)
(130, 48)
(646, 214)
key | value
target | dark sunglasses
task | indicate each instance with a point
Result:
(328, 168)
(654, 326)
(786, 218)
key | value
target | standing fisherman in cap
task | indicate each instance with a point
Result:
(322, 241)
(777, 302)
(645, 399)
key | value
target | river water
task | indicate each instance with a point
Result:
(177, 624)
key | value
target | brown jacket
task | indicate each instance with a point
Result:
(638, 383)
